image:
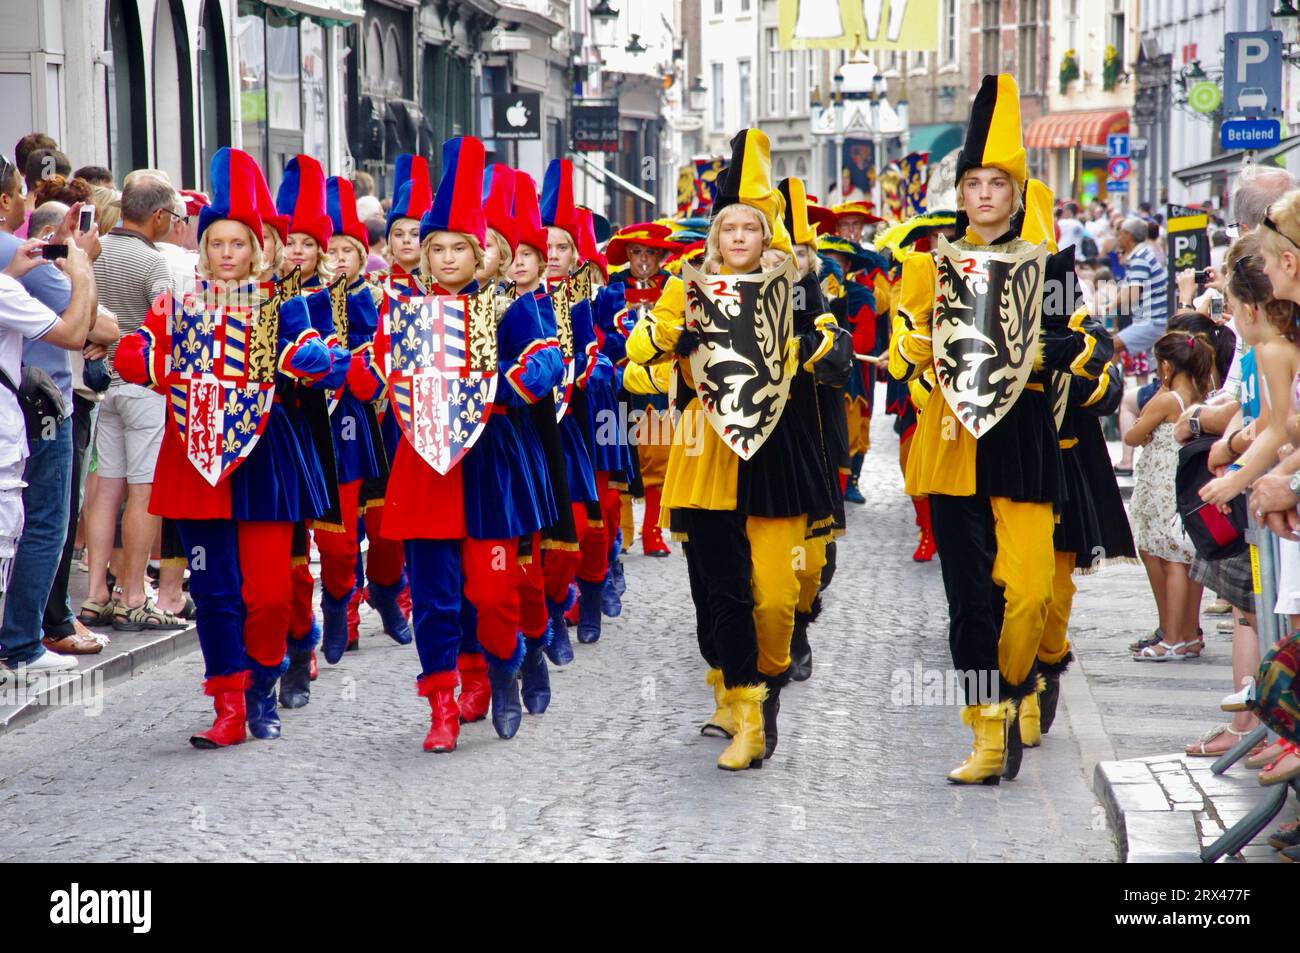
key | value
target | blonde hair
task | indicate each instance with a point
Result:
(424, 251)
(256, 265)
(323, 270)
(503, 248)
(108, 208)
(1285, 214)
(712, 254)
(272, 259)
(1017, 203)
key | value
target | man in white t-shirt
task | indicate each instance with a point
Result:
(1071, 228)
(23, 318)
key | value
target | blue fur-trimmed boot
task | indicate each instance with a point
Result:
(535, 676)
(383, 599)
(259, 700)
(295, 683)
(589, 611)
(558, 648)
(334, 631)
(503, 676)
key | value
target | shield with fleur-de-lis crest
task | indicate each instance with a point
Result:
(439, 356)
(562, 300)
(221, 391)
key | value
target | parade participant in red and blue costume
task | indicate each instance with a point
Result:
(386, 589)
(461, 523)
(475, 692)
(301, 199)
(587, 564)
(607, 433)
(566, 459)
(234, 494)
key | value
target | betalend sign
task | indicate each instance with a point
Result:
(1250, 133)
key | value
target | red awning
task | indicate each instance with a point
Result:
(1061, 130)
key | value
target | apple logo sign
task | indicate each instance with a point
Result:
(517, 115)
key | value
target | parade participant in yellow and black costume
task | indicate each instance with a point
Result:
(985, 449)
(903, 400)
(746, 518)
(643, 248)
(832, 374)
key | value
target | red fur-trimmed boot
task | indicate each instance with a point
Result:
(475, 692)
(925, 536)
(440, 689)
(230, 728)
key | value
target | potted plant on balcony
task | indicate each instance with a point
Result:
(1069, 70)
(1110, 68)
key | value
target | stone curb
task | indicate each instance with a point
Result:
(128, 655)
(1166, 808)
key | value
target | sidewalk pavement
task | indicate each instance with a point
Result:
(128, 654)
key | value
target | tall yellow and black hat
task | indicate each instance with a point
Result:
(993, 137)
(1034, 221)
(796, 212)
(748, 181)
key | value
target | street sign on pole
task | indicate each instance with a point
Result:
(1117, 185)
(1137, 149)
(1118, 168)
(1252, 73)
(1117, 145)
(1250, 133)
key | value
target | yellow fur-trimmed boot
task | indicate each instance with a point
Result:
(723, 723)
(748, 744)
(987, 759)
(1031, 732)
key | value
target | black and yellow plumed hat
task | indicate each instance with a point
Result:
(993, 136)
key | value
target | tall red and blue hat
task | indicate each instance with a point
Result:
(528, 217)
(499, 202)
(558, 209)
(412, 193)
(302, 198)
(235, 179)
(341, 203)
(458, 203)
(586, 236)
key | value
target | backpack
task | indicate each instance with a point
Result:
(1214, 534)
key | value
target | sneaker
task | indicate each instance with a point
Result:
(1240, 701)
(43, 664)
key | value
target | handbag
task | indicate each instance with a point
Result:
(1214, 534)
(39, 399)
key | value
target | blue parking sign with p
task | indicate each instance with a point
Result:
(1117, 145)
(1252, 74)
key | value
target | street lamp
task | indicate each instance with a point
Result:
(634, 45)
(604, 24)
(695, 95)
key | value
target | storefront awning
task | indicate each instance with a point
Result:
(1063, 130)
(938, 139)
(607, 177)
(1231, 162)
(332, 11)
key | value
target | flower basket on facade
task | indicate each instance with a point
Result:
(1069, 70)
(1110, 68)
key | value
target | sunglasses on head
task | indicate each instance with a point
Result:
(1272, 226)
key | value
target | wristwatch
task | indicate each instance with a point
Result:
(1194, 422)
(1295, 483)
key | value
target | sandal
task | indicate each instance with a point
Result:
(1197, 749)
(1153, 639)
(1192, 648)
(1283, 769)
(1240, 701)
(1149, 653)
(145, 617)
(1268, 755)
(97, 613)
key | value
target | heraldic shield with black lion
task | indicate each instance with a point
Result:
(742, 377)
(985, 331)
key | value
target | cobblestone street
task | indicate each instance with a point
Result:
(616, 769)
